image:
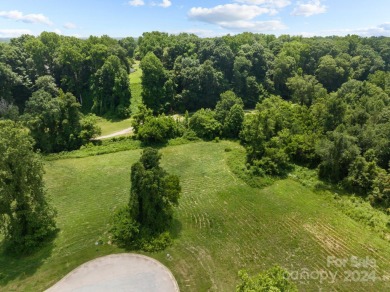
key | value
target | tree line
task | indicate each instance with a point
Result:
(318, 102)
(322, 102)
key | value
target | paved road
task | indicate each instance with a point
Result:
(119, 272)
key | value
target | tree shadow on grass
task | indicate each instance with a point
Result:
(13, 266)
(176, 228)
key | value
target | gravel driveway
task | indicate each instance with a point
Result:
(119, 272)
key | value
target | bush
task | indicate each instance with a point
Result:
(122, 112)
(274, 162)
(233, 122)
(124, 229)
(205, 125)
(159, 129)
(126, 232)
(274, 279)
(361, 211)
(156, 243)
(190, 135)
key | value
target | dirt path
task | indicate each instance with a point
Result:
(119, 133)
(119, 272)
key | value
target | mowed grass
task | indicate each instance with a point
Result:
(222, 225)
(109, 127)
(136, 88)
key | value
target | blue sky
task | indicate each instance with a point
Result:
(119, 18)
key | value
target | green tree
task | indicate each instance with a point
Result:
(152, 42)
(204, 124)
(381, 79)
(140, 117)
(331, 73)
(129, 44)
(381, 190)
(284, 67)
(111, 88)
(47, 84)
(8, 110)
(153, 81)
(305, 89)
(225, 103)
(56, 124)
(233, 122)
(241, 71)
(337, 153)
(365, 61)
(8, 80)
(26, 217)
(199, 85)
(41, 117)
(158, 129)
(153, 194)
(361, 176)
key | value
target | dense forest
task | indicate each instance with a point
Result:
(320, 102)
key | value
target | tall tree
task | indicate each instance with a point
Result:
(337, 152)
(111, 88)
(305, 89)
(153, 80)
(26, 217)
(153, 194)
(56, 123)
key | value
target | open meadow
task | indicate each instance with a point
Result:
(222, 225)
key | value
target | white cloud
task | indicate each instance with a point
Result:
(70, 25)
(238, 17)
(266, 3)
(137, 3)
(226, 13)
(27, 18)
(254, 26)
(165, 3)
(309, 8)
(57, 31)
(13, 33)
(379, 30)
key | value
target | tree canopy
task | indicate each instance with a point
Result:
(26, 217)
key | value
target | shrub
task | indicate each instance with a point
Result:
(159, 129)
(204, 124)
(124, 229)
(233, 122)
(274, 279)
(190, 135)
(361, 211)
(156, 243)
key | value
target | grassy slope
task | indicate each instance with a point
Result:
(110, 127)
(222, 224)
(136, 88)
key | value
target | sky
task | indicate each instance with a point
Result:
(206, 18)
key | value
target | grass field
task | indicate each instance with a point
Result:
(110, 127)
(222, 225)
(136, 88)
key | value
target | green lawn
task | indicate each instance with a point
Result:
(222, 225)
(136, 88)
(110, 127)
